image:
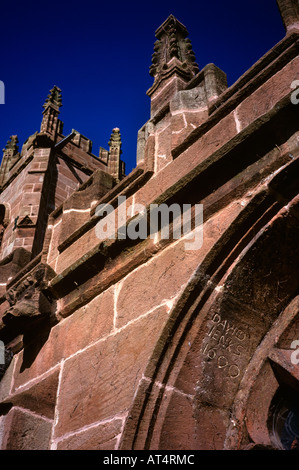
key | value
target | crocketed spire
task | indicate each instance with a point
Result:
(10, 156)
(51, 125)
(54, 99)
(115, 139)
(172, 42)
(12, 145)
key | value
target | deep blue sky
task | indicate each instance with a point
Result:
(99, 54)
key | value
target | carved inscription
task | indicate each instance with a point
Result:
(225, 344)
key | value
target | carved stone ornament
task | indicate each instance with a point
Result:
(28, 300)
(54, 99)
(173, 47)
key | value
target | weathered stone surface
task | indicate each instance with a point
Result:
(103, 436)
(176, 433)
(80, 201)
(39, 397)
(179, 435)
(27, 301)
(87, 325)
(259, 404)
(146, 344)
(164, 276)
(159, 281)
(287, 338)
(23, 430)
(289, 11)
(109, 371)
(262, 100)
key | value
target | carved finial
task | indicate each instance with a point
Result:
(115, 164)
(51, 125)
(54, 99)
(115, 139)
(172, 42)
(10, 156)
(12, 145)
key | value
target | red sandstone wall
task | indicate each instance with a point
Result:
(129, 363)
(68, 180)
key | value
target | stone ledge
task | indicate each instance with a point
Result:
(273, 60)
(234, 96)
(125, 188)
(95, 260)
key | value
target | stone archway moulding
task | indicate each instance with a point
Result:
(200, 379)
